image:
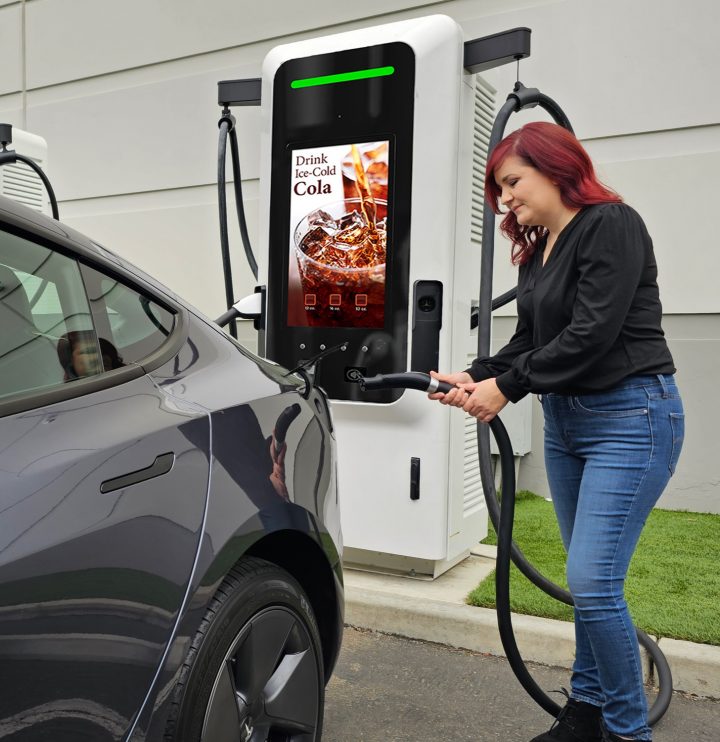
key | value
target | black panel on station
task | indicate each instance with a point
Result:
(355, 96)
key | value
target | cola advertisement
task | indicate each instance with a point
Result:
(338, 235)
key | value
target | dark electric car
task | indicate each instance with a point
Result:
(169, 529)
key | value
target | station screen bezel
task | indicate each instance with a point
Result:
(373, 109)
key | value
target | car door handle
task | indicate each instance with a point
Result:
(162, 465)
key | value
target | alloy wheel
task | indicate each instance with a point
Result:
(267, 688)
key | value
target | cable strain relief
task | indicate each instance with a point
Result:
(525, 97)
(228, 118)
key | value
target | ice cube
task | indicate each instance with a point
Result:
(314, 241)
(349, 220)
(352, 236)
(320, 218)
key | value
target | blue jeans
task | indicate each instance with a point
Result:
(608, 457)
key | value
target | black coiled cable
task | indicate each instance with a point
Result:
(239, 203)
(225, 124)
(227, 129)
(502, 517)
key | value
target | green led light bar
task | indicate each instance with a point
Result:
(311, 82)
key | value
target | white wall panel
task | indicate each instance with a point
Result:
(141, 138)
(116, 35)
(10, 49)
(11, 110)
(695, 345)
(676, 197)
(616, 66)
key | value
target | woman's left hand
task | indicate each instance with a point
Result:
(485, 400)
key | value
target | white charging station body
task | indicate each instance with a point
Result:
(388, 522)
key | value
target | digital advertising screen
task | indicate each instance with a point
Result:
(339, 226)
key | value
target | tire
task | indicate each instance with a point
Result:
(254, 671)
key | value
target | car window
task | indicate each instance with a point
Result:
(132, 324)
(47, 337)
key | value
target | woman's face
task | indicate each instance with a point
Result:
(530, 195)
(85, 359)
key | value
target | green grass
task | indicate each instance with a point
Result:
(673, 585)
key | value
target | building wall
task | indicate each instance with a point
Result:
(125, 95)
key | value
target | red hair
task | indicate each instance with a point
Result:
(559, 156)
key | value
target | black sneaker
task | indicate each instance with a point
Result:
(577, 722)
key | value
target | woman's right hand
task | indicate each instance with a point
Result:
(455, 397)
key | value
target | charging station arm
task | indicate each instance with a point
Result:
(245, 92)
(497, 49)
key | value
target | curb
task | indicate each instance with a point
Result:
(695, 667)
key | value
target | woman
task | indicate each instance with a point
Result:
(78, 355)
(589, 342)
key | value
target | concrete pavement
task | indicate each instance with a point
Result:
(390, 689)
(435, 611)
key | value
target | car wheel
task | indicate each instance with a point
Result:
(254, 672)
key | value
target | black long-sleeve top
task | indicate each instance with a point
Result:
(590, 316)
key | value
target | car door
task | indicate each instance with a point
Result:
(103, 487)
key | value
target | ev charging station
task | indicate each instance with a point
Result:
(372, 164)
